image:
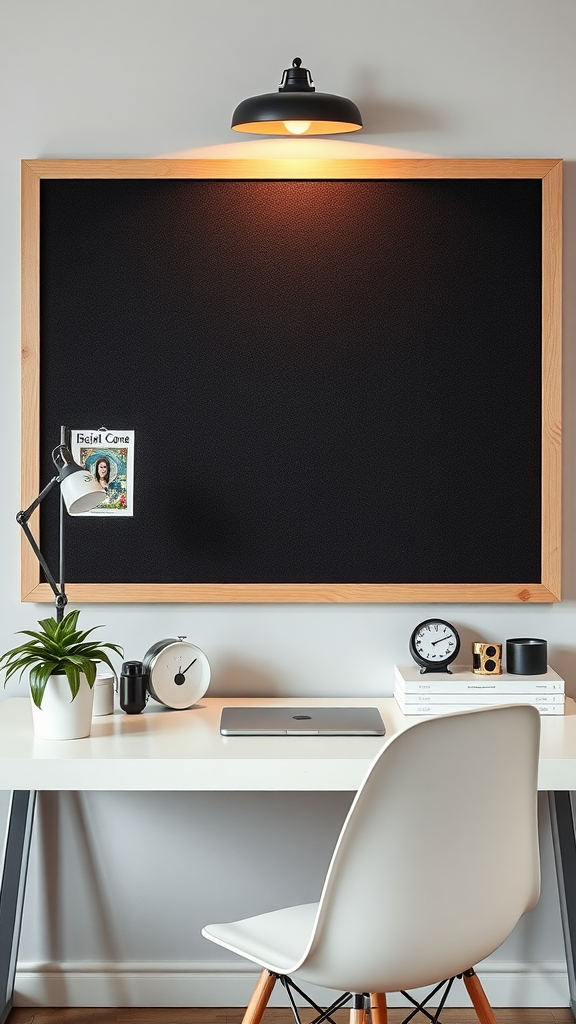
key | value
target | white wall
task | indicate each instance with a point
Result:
(134, 78)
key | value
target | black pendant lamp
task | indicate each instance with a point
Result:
(296, 109)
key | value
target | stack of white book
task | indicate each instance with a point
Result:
(438, 693)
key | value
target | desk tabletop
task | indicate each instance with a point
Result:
(167, 750)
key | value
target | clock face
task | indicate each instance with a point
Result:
(434, 644)
(179, 673)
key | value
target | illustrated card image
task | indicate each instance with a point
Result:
(109, 456)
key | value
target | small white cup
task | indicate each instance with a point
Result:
(103, 694)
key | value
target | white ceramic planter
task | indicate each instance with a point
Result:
(60, 717)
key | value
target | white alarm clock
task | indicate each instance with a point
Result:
(178, 672)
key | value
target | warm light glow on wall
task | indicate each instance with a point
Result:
(291, 147)
(293, 156)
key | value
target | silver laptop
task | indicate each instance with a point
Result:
(283, 721)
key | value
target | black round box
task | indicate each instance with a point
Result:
(526, 656)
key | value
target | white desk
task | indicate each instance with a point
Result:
(183, 751)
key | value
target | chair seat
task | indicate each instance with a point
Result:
(276, 941)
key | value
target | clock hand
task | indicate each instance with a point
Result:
(180, 677)
(434, 642)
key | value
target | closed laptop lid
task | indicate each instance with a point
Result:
(291, 721)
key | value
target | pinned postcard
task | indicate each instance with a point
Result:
(109, 456)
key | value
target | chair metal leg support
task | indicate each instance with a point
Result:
(323, 1015)
(484, 1011)
(440, 1006)
(286, 983)
(421, 1007)
(12, 888)
(564, 843)
(260, 997)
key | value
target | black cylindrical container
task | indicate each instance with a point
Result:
(133, 688)
(526, 656)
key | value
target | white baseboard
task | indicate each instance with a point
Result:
(230, 983)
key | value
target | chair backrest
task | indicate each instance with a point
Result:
(438, 857)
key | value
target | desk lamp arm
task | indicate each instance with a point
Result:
(22, 518)
(80, 492)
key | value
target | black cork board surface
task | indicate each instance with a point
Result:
(331, 382)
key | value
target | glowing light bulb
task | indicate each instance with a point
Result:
(297, 127)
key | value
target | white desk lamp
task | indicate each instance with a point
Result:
(80, 492)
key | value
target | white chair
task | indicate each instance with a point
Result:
(435, 864)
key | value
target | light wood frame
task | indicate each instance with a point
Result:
(550, 173)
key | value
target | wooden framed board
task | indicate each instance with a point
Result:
(343, 376)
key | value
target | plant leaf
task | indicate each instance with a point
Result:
(48, 625)
(73, 676)
(90, 672)
(39, 676)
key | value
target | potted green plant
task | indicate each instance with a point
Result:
(62, 664)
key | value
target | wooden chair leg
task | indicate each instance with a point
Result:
(378, 1008)
(484, 1011)
(260, 997)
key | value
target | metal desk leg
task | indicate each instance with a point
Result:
(12, 887)
(564, 842)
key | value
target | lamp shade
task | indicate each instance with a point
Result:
(296, 109)
(79, 489)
